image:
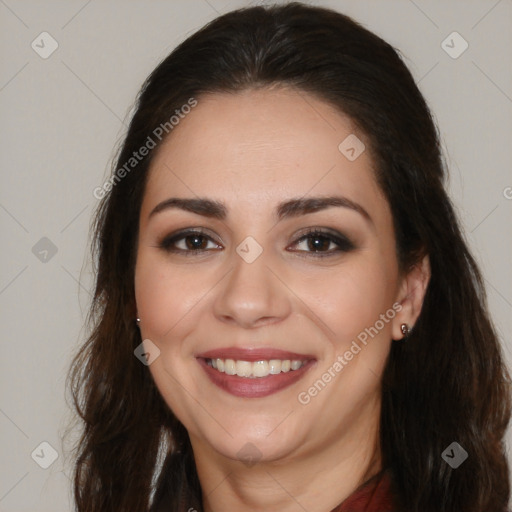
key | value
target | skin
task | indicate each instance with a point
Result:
(253, 150)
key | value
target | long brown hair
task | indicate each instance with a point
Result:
(447, 383)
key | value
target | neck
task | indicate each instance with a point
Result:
(317, 479)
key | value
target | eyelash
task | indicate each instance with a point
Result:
(343, 243)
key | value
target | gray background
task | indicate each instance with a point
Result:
(63, 116)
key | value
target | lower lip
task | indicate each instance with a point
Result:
(254, 387)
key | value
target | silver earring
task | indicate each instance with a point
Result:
(406, 330)
(137, 320)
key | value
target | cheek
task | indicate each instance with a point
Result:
(350, 301)
(164, 295)
(352, 297)
(167, 299)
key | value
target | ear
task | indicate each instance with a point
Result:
(410, 296)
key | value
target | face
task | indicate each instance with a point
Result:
(286, 277)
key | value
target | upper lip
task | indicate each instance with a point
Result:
(253, 354)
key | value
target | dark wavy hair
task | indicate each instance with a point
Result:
(447, 383)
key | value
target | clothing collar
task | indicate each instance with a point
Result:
(374, 495)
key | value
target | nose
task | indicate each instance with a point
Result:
(252, 294)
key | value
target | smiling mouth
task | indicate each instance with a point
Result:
(257, 378)
(255, 369)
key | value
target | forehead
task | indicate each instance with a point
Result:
(261, 146)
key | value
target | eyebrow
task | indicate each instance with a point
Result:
(287, 209)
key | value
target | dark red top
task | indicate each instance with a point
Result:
(372, 496)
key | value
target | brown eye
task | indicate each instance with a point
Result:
(188, 242)
(193, 242)
(318, 242)
(323, 243)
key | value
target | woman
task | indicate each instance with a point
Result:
(286, 314)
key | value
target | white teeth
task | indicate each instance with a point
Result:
(243, 368)
(255, 369)
(229, 366)
(260, 369)
(274, 366)
(296, 364)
